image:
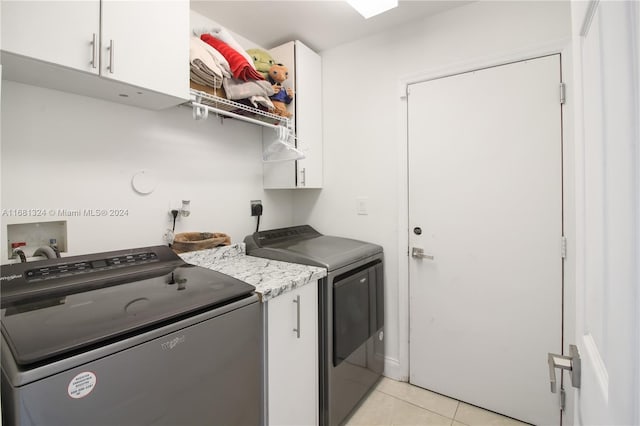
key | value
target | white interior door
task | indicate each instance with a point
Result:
(607, 41)
(485, 189)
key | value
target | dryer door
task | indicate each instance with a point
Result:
(357, 298)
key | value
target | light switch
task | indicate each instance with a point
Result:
(362, 205)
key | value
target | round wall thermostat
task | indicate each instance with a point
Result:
(144, 182)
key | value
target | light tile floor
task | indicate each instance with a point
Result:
(398, 403)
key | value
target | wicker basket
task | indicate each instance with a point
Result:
(192, 241)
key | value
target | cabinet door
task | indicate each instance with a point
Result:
(146, 44)
(309, 121)
(293, 360)
(305, 71)
(59, 32)
(281, 175)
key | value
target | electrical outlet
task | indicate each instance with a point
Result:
(256, 208)
(168, 236)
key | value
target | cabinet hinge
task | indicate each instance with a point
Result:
(563, 247)
(563, 93)
(563, 399)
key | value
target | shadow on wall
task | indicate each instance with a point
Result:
(304, 202)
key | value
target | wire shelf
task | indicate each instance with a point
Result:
(203, 103)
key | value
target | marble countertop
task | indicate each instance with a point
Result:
(270, 277)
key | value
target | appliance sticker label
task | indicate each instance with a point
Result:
(81, 385)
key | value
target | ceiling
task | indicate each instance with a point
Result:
(320, 24)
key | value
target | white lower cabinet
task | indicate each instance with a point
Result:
(292, 356)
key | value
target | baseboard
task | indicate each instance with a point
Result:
(393, 370)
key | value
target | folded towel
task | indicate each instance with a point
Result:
(221, 33)
(201, 70)
(240, 68)
(195, 77)
(237, 89)
(198, 52)
(198, 49)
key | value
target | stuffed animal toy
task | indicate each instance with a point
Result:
(262, 60)
(282, 96)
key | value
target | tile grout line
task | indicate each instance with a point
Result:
(418, 406)
(456, 414)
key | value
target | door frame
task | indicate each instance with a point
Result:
(564, 48)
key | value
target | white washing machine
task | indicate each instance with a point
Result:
(132, 337)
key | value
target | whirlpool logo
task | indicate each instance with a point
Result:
(170, 344)
(10, 277)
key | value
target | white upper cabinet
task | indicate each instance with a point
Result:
(146, 43)
(305, 77)
(139, 49)
(60, 32)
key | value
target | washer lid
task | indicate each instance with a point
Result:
(39, 330)
(306, 246)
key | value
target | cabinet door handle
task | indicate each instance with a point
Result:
(297, 302)
(110, 67)
(303, 181)
(94, 51)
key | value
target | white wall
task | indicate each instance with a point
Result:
(63, 151)
(363, 122)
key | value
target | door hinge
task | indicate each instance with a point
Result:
(563, 399)
(563, 247)
(563, 93)
(404, 94)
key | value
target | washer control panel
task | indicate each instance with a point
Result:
(83, 267)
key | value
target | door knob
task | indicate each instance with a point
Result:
(418, 253)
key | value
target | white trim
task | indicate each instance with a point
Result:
(635, 17)
(599, 369)
(394, 370)
(579, 178)
(588, 18)
(550, 48)
(403, 240)
(569, 219)
(564, 48)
